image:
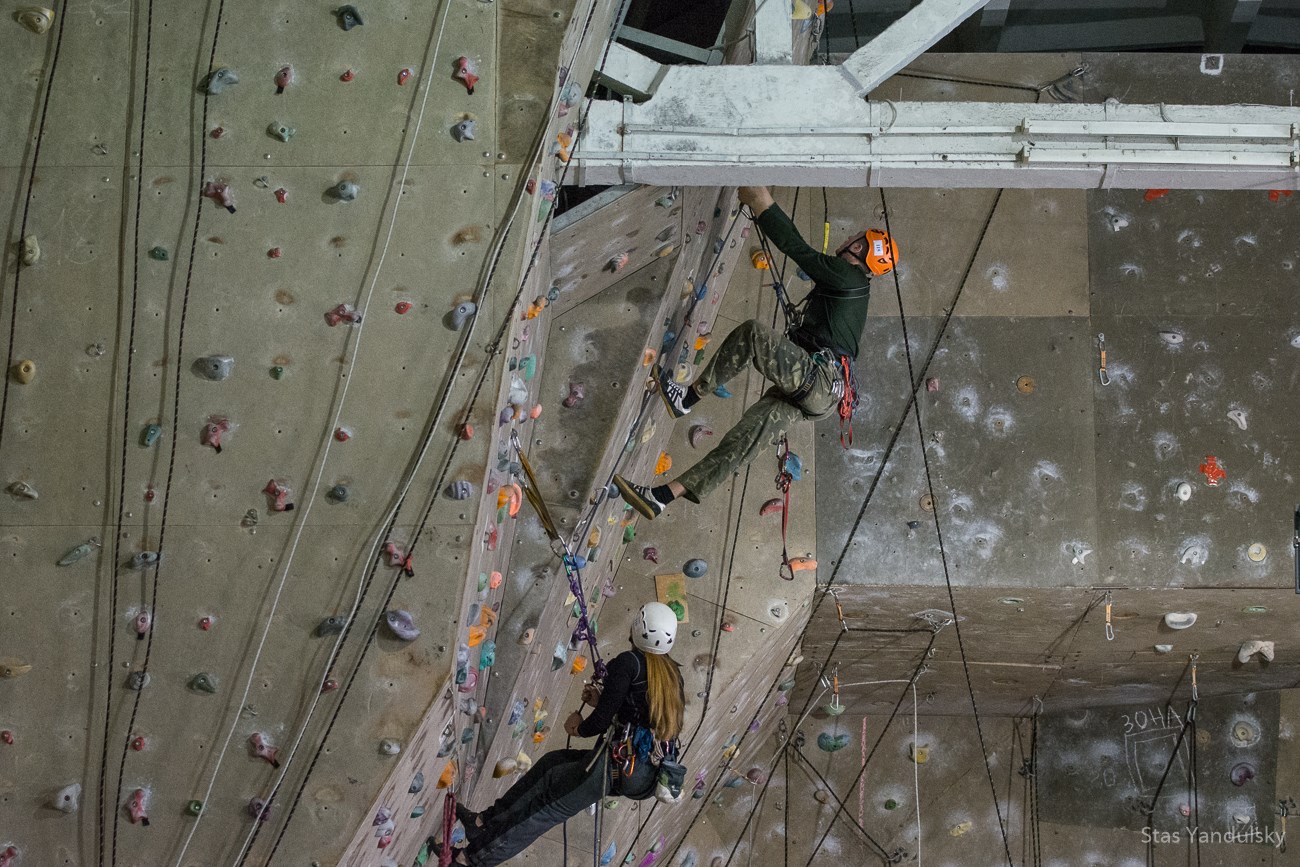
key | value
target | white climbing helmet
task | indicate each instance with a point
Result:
(654, 628)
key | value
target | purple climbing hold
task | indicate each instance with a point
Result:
(652, 554)
(1241, 774)
(460, 490)
(577, 393)
(401, 624)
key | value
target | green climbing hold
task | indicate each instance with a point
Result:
(193, 808)
(528, 364)
(277, 372)
(417, 812)
(678, 608)
(204, 682)
(629, 533)
(159, 254)
(482, 581)
(150, 435)
(830, 743)
(891, 804)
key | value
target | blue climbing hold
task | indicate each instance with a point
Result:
(608, 856)
(487, 654)
(794, 466)
(701, 291)
(151, 435)
(669, 337)
(695, 568)
(516, 711)
(722, 391)
(830, 743)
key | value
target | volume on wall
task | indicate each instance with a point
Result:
(237, 379)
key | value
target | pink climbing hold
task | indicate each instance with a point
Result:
(7, 736)
(932, 384)
(138, 743)
(263, 750)
(217, 132)
(465, 73)
(403, 76)
(216, 428)
(494, 581)
(9, 856)
(402, 307)
(652, 554)
(697, 433)
(282, 195)
(143, 621)
(220, 192)
(531, 186)
(205, 623)
(138, 807)
(774, 506)
(274, 253)
(342, 313)
(618, 263)
(577, 393)
(279, 493)
(394, 553)
(283, 78)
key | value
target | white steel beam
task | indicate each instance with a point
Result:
(804, 126)
(773, 33)
(630, 72)
(905, 40)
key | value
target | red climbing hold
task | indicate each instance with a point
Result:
(1213, 472)
(464, 74)
(329, 685)
(1277, 195)
(7, 736)
(531, 186)
(403, 76)
(8, 856)
(150, 494)
(279, 494)
(1152, 195)
(217, 427)
(342, 313)
(772, 507)
(138, 743)
(283, 78)
(217, 132)
(282, 195)
(205, 623)
(342, 434)
(274, 253)
(347, 76)
(138, 807)
(402, 307)
(465, 431)
(263, 749)
(220, 192)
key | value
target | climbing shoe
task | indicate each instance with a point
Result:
(639, 498)
(673, 393)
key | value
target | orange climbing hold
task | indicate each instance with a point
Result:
(664, 464)
(803, 564)
(1152, 195)
(760, 260)
(579, 665)
(1213, 472)
(448, 774)
(1278, 195)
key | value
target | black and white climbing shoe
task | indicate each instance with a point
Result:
(674, 395)
(639, 498)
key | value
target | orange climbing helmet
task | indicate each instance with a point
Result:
(873, 249)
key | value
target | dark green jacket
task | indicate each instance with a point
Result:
(835, 311)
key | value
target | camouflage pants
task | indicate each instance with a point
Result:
(782, 363)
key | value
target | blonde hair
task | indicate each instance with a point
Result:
(666, 695)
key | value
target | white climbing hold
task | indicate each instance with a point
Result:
(1164, 648)
(1238, 417)
(1257, 552)
(1184, 491)
(1180, 619)
(1173, 338)
(1080, 553)
(67, 799)
(1194, 555)
(1249, 648)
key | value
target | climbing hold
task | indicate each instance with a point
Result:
(1213, 472)
(494, 580)
(68, 798)
(487, 655)
(1265, 649)
(722, 391)
(150, 435)
(389, 747)
(218, 80)
(280, 131)
(528, 364)
(345, 191)
(259, 809)
(577, 393)
(1183, 491)
(348, 17)
(143, 621)
(464, 73)
(1194, 555)
(401, 624)
(342, 313)
(338, 494)
(697, 433)
(1238, 417)
(1180, 619)
(1241, 773)
(214, 367)
(23, 491)
(25, 371)
(283, 78)
(78, 552)
(961, 828)
(331, 626)
(920, 755)
(830, 743)
(463, 131)
(404, 76)
(29, 251)
(1172, 338)
(9, 856)
(1163, 648)
(756, 775)
(526, 637)
(220, 192)
(193, 808)
(460, 490)
(773, 506)
(159, 254)
(417, 784)
(695, 568)
(205, 622)
(204, 682)
(277, 372)
(650, 553)
(663, 464)
(461, 314)
(279, 494)
(138, 806)
(504, 768)
(263, 750)
(37, 19)
(618, 263)
(1244, 733)
(7, 736)
(212, 433)
(137, 680)
(1257, 552)
(282, 195)
(143, 559)
(607, 856)
(329, 685)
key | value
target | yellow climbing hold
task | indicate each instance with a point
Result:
(801, 11)
(25, 371)
(664, 464)
(523, 762)
(920, 755)
(961, 828)
(13, 668)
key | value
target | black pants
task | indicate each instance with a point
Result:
(559, 786)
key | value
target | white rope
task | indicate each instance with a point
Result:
(320, 470)
(916, 775)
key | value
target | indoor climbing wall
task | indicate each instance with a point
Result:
(248, 320)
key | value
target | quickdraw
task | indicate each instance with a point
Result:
(783, 480)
